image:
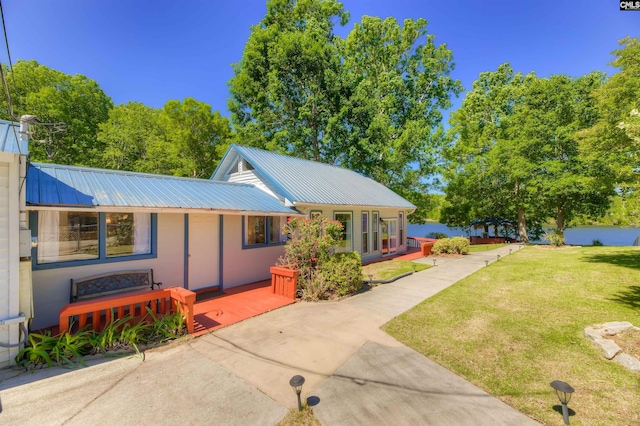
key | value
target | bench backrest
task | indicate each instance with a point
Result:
(111, 283)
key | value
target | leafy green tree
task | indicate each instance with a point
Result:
(515, 152)
(487, 168)
(371, 102)
(200, 135)
(54, 97)
(127, 134)
(182, 139)
(566, 182)
(397, 81)
(286, 87)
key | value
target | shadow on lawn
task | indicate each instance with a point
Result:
(627, 259)
(629, 297)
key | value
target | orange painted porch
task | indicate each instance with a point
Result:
(221, 308)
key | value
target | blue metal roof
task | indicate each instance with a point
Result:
(304, 181)
(57, 185)
(10, 138)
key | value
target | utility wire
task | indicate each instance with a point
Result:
(6, 42)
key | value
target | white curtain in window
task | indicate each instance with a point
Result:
(48, 236)
(141, 233)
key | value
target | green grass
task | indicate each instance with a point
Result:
(484, 247)
(390, 268)
(514, 326)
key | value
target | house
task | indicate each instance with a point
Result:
(14, 274)
(196, 233)
(374, 217)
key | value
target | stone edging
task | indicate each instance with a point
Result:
(609, 348)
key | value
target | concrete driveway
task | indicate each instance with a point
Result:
(240, 374)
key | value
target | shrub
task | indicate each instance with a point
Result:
(455, 245)
(554, 237)
(597, 242)
(341, 273)
(323, 273)
(460, 245)
(436, 235)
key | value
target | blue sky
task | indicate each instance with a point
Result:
(153, 51)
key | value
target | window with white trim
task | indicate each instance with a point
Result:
(346, 219)
(401, 227)
(375, 223)
(365, 232)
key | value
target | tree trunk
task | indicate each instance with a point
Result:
(522, 226)
(560, 221)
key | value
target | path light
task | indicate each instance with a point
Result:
(370, 279)
(296, 383)
(415, 268)
(497, 257)
(564, 391)
(434, 262)
(509, 251)
(486, 263)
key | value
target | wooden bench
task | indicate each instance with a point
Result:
(112, 283)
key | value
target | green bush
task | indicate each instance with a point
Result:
(597, 242)
(436, 235)
(341, 273)
(554, 237)
(323, 273)
(460, 245)
(455, 245)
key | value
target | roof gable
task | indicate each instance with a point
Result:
(304, 181)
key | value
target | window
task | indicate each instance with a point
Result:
(68, 238)
(128, 234)
(375, 223)
(401, 227)
(346, 220)
(365, 232)
(263, 230)
(65, 236)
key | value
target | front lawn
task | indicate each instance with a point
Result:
(514, 326)
(484, 247)
(390, 268)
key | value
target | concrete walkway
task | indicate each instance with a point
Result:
(355, 373)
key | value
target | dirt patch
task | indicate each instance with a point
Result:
(629, 341)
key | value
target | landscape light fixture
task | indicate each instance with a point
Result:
(434, 262)
(415, 267)
(296, 383)
(497, 257)
(370, 279)
(486, 263)
(564, 391)
(509, 251)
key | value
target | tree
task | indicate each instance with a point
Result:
(397, 81)
(127, 134)
(53, 97)
(566, 182)
(181, 139)
(515, 152)
(286, 87)
(371, 102)
(487, 167)
(200, 135)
